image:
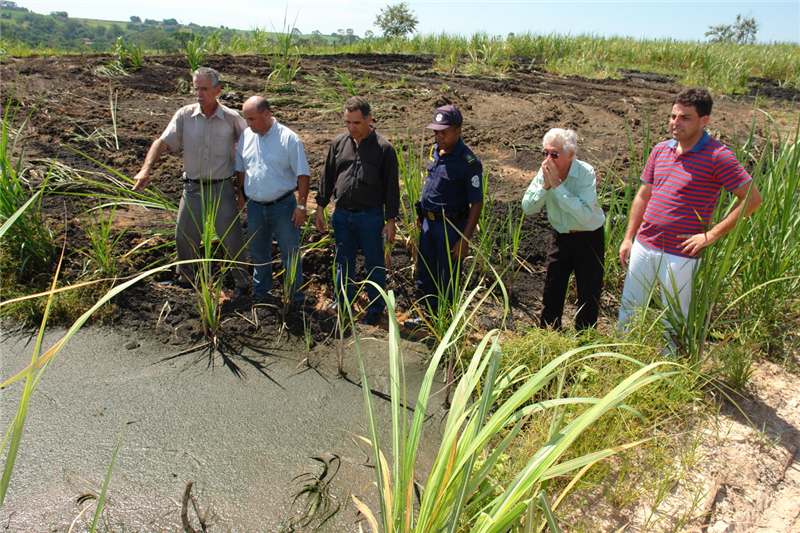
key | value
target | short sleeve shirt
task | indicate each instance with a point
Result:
(454, 180)
(208, 143)
(271, 162)
(686, 191)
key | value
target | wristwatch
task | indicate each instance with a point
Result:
(301, 207)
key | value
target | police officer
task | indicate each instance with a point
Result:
(448, 211)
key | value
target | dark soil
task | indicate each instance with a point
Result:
(505, 119)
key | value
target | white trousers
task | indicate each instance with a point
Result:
(649, 270)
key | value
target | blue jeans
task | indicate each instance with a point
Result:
(354, 229)
(264, 222)
(434, 266)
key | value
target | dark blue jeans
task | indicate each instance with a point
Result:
(264, 223)
(362, 229)
(435, 267)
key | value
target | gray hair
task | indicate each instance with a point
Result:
(568, 139)
(207, 72)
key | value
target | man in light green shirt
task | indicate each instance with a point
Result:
(566, 186)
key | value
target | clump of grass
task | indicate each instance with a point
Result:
(195, 52)
(485, 409)
(209, 272)
(27, 248)
(285, 59)
(102, 257)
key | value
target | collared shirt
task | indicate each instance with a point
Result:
(572, 206)
(208, 143)
(686, 191)
(453, 181)
(361, 177)
(271, 162)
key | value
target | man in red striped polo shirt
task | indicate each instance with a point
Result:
(668, 223)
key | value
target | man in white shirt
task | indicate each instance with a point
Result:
(566, 186)
(270, 165)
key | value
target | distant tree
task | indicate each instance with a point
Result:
(316, 32)
(150, 21)
(182, 37)
(368, 34)
(170, 22)
(743, 31)
(12, 6)
(396, 21)
(59, 14)
(296, 32)
(135, 19)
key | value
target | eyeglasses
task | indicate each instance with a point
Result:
(545, 153)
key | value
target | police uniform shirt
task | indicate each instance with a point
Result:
(453, 181)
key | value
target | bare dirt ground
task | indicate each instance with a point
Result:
(749, 469)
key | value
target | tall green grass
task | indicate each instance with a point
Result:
(722, 67)
(490, 407)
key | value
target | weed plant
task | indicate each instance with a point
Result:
(285, 61)
(195, 52)
(27, 246)
(209, 273)
(102, 259)
(410, 163)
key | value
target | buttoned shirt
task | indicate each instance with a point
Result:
(572, 206)
(361, 177)
(271, 162)
(208, 142)
(454, 180)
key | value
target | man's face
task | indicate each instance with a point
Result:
(686, 125)
(556, 154)
(447, 138)
(205, 91)
(357, 124)
(259, 121)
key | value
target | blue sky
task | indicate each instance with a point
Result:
(778, 20)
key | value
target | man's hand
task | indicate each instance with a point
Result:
(299, 217)
(460, 250)
(550, 174)
(319, 220)
(693, 244)
(141, 180)
(240, 202)
(625, 252)
(388, 231)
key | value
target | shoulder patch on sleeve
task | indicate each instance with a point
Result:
(470, 159)
(476, 181)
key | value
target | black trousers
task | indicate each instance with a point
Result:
(584, 254)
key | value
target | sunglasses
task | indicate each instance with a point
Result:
(545, 153)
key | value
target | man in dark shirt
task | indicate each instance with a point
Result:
(361, 173)
(450, 207)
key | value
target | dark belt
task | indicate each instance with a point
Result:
(273, 202)
(205, 181)
(455, 216)
(353, 211)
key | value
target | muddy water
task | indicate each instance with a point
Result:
(241, 431)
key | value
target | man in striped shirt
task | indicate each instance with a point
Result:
(668, 223)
